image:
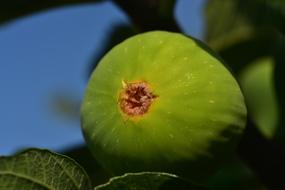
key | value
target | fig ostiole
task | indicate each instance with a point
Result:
(161, 101)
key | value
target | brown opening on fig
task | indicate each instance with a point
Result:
(136, 98)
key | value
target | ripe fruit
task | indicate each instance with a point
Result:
(160, 101)
(258, 87)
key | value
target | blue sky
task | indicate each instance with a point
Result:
(49, 53)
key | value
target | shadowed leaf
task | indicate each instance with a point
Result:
(235, 175)
(225, 24)
(36, 169)
(238, 32)
(258, 88)
(242, 53)
(232, 21)
(148, 181)
(83, 156)
(273, 13)
(279, 80)
(264, 157)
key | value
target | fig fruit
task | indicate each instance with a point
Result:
(257, 84)
(161, 101)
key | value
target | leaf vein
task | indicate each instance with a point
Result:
(27, 178)
(65, 171)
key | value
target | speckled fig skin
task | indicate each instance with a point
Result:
(191, 127)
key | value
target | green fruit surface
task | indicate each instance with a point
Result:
(192, 125)
(258, 87)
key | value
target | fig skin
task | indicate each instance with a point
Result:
(191, 127)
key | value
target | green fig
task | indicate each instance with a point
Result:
(257, 84)
(161, 101)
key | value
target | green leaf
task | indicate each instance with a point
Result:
(237, 30)
(83, 156)
(233, 21)
(16, 8)
(275, 13)
(258, 86)
(225, 23)
(242, 53)
(235, 175)
(279, 80)
(148, 181)
(36, 169)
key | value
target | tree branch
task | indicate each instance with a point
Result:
(150, 14)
